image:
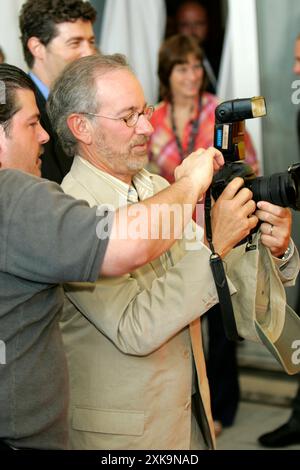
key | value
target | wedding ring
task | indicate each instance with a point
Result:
(271, 229)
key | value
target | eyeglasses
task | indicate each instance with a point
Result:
(132, 119)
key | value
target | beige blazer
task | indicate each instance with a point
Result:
(132, 343)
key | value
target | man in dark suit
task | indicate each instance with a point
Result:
(54, 34)
(288, 433)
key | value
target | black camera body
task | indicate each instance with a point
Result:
(282, 189)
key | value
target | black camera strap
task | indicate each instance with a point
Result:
(194, 132)
(220, 279)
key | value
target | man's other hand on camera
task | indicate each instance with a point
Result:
(275, 228)
(232, 216)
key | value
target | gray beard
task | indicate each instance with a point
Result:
(116, 161)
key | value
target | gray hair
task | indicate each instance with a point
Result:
(74, 92)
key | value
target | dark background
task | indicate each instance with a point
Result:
(217, 11)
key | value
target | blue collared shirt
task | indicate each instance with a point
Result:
(41, 86)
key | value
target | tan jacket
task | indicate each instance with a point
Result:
(131, 343)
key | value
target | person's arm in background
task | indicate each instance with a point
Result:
(275, 230)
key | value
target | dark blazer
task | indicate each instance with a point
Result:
(55, 163)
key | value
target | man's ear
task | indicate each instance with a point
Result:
(81, 128)
(36, 48)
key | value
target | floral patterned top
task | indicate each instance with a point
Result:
(164, 156)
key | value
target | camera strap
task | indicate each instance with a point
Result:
(220, 279)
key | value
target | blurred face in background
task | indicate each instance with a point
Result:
(192, 21)
(186, 79)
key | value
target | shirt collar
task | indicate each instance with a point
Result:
(41, 86)
(141, 189)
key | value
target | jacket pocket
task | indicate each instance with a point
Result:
(124, 422)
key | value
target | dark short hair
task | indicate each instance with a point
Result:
(11, 79)
(38, 18)
(174, 51)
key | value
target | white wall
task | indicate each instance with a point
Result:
(136, 28)
(9, 32)
(239, 71)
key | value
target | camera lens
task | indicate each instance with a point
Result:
(279, 189)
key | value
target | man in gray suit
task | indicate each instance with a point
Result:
(134, 347)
